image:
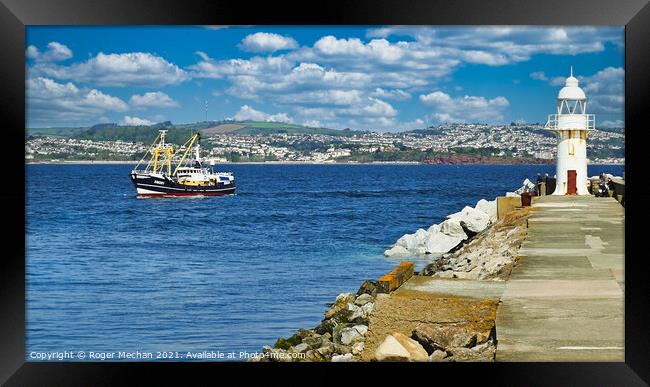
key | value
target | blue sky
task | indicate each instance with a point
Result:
(378, 78)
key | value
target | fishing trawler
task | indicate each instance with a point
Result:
(174, 172)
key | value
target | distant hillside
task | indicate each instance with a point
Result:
(54, 132)
(180, 133)
(145, 134)
(221, 129)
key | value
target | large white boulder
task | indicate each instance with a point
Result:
(420, 236)
(407, 241)
(399, 347)
(488, 207)
(475, 220)
(391, 350)
(420, 250)
(397, 252)
(415, 349)
(452, 228)
(439, 243)
(362, 312)
(411, 242)
(350, 336)
(364, 299)
(433, 228)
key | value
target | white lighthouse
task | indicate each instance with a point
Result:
(571, 124)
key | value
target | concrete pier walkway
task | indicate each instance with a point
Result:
(564, 301)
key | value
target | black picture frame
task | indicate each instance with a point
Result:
(16, 14)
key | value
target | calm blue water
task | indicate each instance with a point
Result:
(109, 272)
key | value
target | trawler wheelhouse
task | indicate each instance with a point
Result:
(172, 172)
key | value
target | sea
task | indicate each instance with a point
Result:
(108, 272)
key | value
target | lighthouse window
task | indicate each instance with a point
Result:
(572, 150)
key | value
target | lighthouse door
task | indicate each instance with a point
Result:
(571, 182)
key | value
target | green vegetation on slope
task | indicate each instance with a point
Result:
(180, 133)
(144, 134)
(54, 132)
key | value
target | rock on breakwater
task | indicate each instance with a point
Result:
(443, 237)
(456, 230)
(447, 324)
(491, 254)
(340, 336)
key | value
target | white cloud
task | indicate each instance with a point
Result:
(604, 89)
(319, 113)
(373, 108)
(415, 124)
(484, 57)
(247, 113)
(51, 103)
(464, 109)
(129, 69)
(135, 121)
(557, 81)
(285, 82)
(219, 69)
(311, 90)
(397, 95)
(330, 98)
(267, 42)
(539, 75)
(55, 52)
(376, 49)
(152, 99)
(609, 80)
(507, 44)
(312, 123)
(274, 74)
(554, 81)
(32, 52)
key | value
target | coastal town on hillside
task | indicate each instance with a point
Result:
(509, 142)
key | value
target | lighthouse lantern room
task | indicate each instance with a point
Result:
(571, 125)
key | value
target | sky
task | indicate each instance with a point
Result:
(380, 78)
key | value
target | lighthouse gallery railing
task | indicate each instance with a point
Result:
(553, 121)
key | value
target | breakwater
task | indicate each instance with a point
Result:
(374, 324)
(549, 276)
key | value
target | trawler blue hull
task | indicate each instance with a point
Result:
(147, 185)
